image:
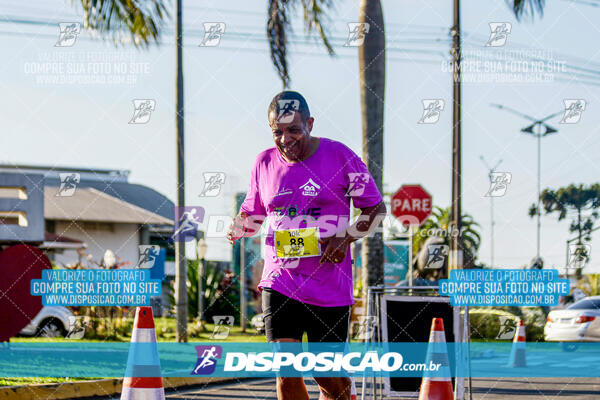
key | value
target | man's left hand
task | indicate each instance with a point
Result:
(335, 249)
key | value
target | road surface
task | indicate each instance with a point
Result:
(484, 389)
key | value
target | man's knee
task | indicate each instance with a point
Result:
(289, 382)
(335, 388)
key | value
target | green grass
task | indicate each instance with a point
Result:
(165, 331)
(35, 381)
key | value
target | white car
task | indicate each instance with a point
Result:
(51, 321)
(579, 322)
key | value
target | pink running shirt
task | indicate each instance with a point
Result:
(315, 192)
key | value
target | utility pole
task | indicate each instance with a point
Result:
(490, 171)
(455, 260)
(180, 262)
(536, 131)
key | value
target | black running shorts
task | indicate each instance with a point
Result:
(286, 318)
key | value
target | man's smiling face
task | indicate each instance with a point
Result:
(292, 137)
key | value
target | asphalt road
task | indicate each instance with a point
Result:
(483, 389)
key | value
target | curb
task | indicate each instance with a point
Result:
(82, 389)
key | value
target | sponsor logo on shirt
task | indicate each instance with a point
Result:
(310, 188)
(283, 192)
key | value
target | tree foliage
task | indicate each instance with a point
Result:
(527, 7)
(578, 202)
(136, 21)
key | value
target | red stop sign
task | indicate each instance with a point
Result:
(411, 205)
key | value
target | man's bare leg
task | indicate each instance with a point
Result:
(338, 388)
(291, 388)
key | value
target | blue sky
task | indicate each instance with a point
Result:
(228, 87)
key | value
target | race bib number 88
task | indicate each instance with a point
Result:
(294, 243)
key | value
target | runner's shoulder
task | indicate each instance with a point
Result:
(339, 148)
(265, 156)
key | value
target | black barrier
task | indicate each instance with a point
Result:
(408, 319)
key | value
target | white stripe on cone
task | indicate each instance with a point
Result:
(143, 393)
(437, 337)
(143, 335)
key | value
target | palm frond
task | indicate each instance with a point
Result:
(140, 21)
(313, 19)
(278, 27)
(527, 7)
(278, 24)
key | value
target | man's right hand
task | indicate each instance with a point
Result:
(237, 227)
(243, 225)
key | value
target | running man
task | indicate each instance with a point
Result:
(302, 185)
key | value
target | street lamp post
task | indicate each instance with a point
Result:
(490, 171)
(535, 129)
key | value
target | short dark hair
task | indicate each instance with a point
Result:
(279, 101)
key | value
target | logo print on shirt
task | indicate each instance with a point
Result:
(310, 188)
(283, 192)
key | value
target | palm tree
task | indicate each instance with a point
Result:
(371, 66)
(372, 90)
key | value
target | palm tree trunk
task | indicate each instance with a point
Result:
(371, 61)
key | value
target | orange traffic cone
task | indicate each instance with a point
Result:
(352, 392)
(437, 387)
(143, 380)
(517, 354)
